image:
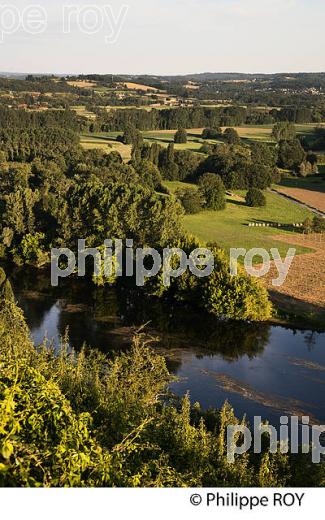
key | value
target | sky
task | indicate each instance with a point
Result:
(162, 36)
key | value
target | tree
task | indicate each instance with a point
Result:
(187, 163)
(31, 250)
(259, 176)
(305, 169)
(131, 136)
(264, 154)
(170, 153)
(191, 200)
(308, 225)
(212, 191)
(291, 154)
(231, 136)
(6, 292)
(319, 224)
(312, 158)
(149, 174)
(255, 198)
(180, 136)
(212, 133)
(168, 167)
(136, 155)
(239, 297)
(284, 131)
(206, 148)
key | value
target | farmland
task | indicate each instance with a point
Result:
(308, 190)
(138, 86)
(107, 144)
(239, 226)
(259, 133)
(225, 336)
(304, 289)
(82, 84)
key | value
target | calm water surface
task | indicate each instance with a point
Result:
(261, 369)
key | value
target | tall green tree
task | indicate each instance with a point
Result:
(212, 191)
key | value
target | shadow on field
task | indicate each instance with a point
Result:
(236, 202)
(312, 183)
(299, 310)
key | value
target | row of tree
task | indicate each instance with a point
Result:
(189, 117)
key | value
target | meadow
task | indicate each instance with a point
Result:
(261, 133)
(230, 227)
(107, 143)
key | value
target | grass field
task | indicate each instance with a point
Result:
(162, 137)
(108, 144)
(230, 227)
(260, 133)
(173, 186)
(81, 111)
(165, 137)
(312, 183)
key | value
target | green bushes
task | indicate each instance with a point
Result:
(239, 297)
(180, 136)
(212, 191)
(315, 225)
(191, 200)
(212, 133)
(131, 136)
(241, 167)
(255, 198)
(231, 136)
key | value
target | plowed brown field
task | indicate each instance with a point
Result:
(306, 279)
(314, 199)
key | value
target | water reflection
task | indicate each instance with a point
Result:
(260, 369)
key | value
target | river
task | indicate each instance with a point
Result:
(262, 370)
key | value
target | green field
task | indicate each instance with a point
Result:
(260, 133)
(165, 137)
(82, 112)
(174, 186)
(106, 142)
(229, 228)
